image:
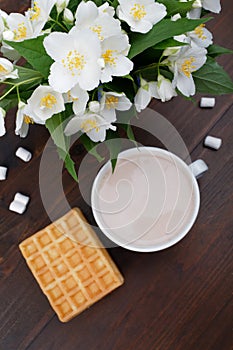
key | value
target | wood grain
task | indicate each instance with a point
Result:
(177, 299)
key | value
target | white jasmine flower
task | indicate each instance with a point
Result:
(188, 60)
(201, 36)
(88, 15)
(2, 121)
(79, 97)
(7, 70)
(164, 89)
(22, 120)
(45, 102)
(144, 95)
(68, 16)
(74, 64)
(112, 101)
(114, 51)
(94, 124)
(39, 13)
(20, 26)
(141, 15)
(61, 5)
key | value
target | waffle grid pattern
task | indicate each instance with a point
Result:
(72, 275)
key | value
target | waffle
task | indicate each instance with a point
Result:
(70, 264)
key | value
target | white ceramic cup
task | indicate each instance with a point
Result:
(155, 188)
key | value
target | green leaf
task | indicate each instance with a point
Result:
(174, 7)
(69, 163)
(91, 147)
(34, 52)
(55, 125)
(11, 100)
(124, 117)
(212, 79)
(122, 84)
(28, 78)
(161, 31)
(216, 50)
(8, 103)
(168, 43)
(73, 4)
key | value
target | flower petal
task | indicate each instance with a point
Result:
(86, 13)
(61, 79)
(212, 5)
(186, 85)
(72, 127)
(142, 99)
(52, 44)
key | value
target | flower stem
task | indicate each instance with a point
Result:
(18, 95)
(16, 86)
(59, 24)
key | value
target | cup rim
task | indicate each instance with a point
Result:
(154, 247)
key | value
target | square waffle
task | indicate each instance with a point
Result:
(71, 265)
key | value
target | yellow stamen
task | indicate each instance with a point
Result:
(98, 30)
(89, 125)
(48, 101)
(27, 119)
(187, 66)
(138, 12)
(34, 12)
(21, 32)
(108, 57)
(3, 69)
(111, 102)
(200, 32)
(74, 61)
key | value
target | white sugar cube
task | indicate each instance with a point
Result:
(17, 207)
(198, 168)
(3, 173)
(207, 102)
(23, 154)
(213, 142)
(19, 197)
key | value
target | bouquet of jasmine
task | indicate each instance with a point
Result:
(85, 60)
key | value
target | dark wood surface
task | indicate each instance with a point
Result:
(176, 299)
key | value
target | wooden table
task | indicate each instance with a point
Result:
(176, 299)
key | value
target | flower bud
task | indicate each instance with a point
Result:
(94, 106)
(61, 5)
(165, 89)
(21, 104)
(175, 17)
(68, 16)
